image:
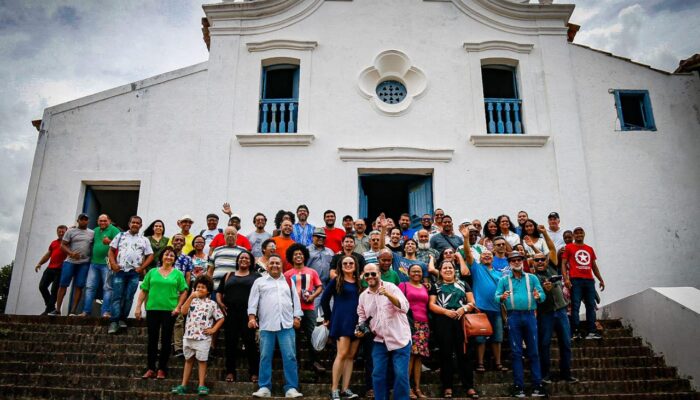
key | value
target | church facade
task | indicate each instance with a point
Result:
(479, 107)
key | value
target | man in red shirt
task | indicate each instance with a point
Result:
(52, 275)
(334, 236)
(308, 285)
(578, 268)
(219, 239)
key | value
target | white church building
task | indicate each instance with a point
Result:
(479, 107)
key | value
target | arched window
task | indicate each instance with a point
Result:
(502, 102)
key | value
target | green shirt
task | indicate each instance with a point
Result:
(388, 276)
(99, 249)
(163, 293)
(450, 296)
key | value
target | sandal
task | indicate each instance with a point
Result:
(447, 394)
(480, 368)
(500, 367)
(202, 390)
(412, 395)
(179, 389)
(420, 394)
(230, 377)
(150, 374)
(472, 394)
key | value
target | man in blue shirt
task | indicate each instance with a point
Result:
(405, 225)
(302, 231)
(521, 292)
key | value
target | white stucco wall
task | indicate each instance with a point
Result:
(177, 134)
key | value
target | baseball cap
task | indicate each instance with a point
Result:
(553, 214)
(515, 254)
(320, 232)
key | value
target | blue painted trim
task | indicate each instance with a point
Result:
(647, 112)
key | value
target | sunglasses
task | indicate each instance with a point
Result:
(369, 275)
(539, 259)
(348, 263)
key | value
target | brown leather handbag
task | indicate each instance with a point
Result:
(476, 324)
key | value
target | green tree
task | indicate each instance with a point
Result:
(5, 277)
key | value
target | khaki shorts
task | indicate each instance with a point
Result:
(196, 348)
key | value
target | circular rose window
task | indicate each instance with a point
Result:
(391, 92)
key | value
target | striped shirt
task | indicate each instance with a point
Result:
(223, 260)
(303, 234)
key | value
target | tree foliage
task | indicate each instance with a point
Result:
(5, 277)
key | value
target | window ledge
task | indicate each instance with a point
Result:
(395, 154)
(508, 140)
(274, 139)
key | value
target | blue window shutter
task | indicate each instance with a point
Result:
(296, 84)
(420, 200)
(648, 113)
(363, 207)
(618, 107)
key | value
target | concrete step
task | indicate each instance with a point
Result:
(321, 389)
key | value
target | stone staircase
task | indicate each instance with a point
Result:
(75, 358)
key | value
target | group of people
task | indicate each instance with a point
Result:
(394, 295)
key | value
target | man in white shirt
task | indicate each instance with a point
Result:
(555, 231)
(278, 310)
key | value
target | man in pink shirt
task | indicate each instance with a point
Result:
(383, 307)
(308, 286)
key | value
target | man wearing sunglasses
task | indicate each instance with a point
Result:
(551, 315)
(384, 308)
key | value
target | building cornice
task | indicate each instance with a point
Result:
(524, 48)
(508, 140)
(274, 139)
(374, 154)
(281, 44)
(255, 17)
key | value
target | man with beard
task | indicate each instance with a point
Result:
(425, 253)
(446, 239)
(361, 239)
(522, 217)
(282, 243)
(259, 235)
(334, 236)
(302, 232)
(405, 225)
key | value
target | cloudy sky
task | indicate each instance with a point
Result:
(54, 51)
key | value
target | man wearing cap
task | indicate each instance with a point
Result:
(77, 244)
(552, 316)
(555, 231)
(361, 238)
(348, 224)
(521, 292)
(185, 224)
(211, 231)
(220, 240)
(320, 261)
(302, 231)
(578, 267)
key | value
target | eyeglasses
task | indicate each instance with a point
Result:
(348, 263)
(499, 244)
(369, 275)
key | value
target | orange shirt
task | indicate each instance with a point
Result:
(282, 245)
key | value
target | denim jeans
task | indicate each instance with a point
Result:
(522, 325)
(583, 289)
(286, 339)
(96, 278)
(548, 323)
(399, 364)
(124, 285)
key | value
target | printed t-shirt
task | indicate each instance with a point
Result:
(304, 280)
(417, 300)
(401, 265)
(132, 250)
(184, 263)
(450, 296)
(79, 240)
(99, 249)
(57, 255)
(163, 292)
(256, 240)
(334, 238)
(283, 244)
(580, 258)
(209, 235)
(219, 241)
(199, 266)
(501, 265)
(202, 314)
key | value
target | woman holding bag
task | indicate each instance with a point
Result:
(417, 295)
(450, 299)
(344, 289)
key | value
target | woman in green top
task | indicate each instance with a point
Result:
(166, 290)
(154, 234)
(450, 299)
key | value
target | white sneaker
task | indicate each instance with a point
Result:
(262, 392)
(293, 393)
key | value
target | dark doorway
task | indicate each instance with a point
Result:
(120, 202)
(395, 194)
